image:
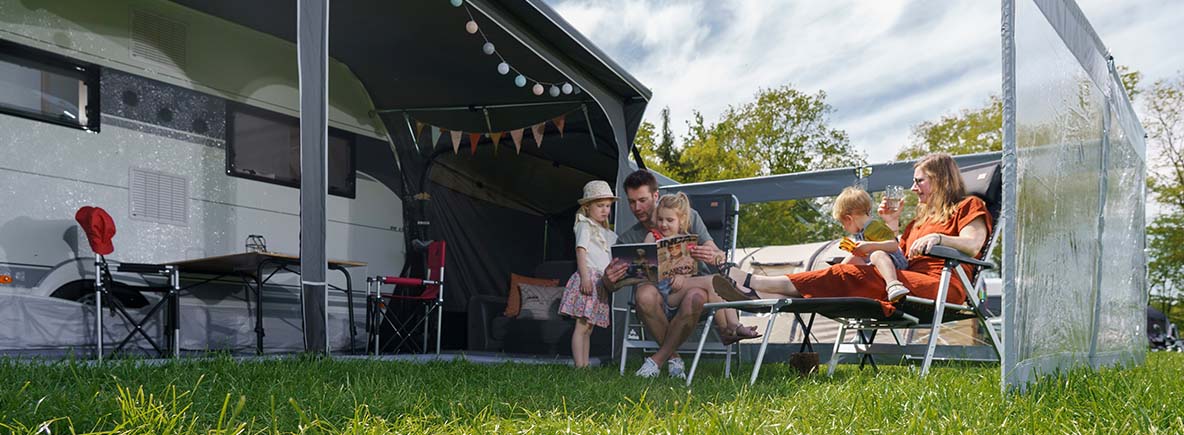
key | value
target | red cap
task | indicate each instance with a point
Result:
(99, 228)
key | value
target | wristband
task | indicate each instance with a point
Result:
(939, 239)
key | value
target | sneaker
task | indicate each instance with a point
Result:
(897, 291)
(677, 369)
(649, 369)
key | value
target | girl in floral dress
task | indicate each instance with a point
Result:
(583, 298)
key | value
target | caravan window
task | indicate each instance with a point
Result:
(43, 86)
(265, 146)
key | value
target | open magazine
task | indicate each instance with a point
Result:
(653, 262)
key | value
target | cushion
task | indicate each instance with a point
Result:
(514, 297)
(540, 302)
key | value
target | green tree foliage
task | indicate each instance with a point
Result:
(782, 131)
(1163, 118)
(970, 131)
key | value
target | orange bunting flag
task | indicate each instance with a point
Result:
(516, 136)
(418, 130)
(558, 121)
(455, 140)
(537, 131)
(496, 138)
(473, 139)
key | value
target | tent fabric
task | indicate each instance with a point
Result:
(816, 184)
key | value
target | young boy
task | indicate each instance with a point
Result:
(877, 243)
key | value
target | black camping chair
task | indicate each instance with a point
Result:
(120, 297)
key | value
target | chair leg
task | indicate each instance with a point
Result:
(760, 356)
(625, 340)
(938, 310)
(699, 350)
(439, 325)
(834, 351)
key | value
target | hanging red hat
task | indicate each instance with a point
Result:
(99, 228)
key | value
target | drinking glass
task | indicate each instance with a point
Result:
(894, 196)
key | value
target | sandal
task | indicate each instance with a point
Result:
(740, 332)
(726, 288)
(897, 291)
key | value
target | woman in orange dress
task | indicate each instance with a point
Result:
(946, 216)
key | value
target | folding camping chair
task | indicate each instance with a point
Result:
(865, 315)
(99, 229)
(720, 214)
(432, 298)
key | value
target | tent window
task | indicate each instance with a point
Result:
(265, 146)
(46, 87)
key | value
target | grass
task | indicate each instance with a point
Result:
(318, 395)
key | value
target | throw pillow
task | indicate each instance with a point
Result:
(514, 297)
(540, 302)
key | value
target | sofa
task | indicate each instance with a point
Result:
(490, 330)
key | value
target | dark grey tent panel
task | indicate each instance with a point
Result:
(818, 183)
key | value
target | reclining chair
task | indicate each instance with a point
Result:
(865, 316)
(99, 229)
(432, 298)
(720, 214)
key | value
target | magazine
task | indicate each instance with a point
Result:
(653, 262)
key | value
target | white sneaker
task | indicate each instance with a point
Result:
(677, 369)
(649, 369)
(897, 291)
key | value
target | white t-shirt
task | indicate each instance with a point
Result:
(596, 240)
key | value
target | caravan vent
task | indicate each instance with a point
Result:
(158, 40)
(159, 197)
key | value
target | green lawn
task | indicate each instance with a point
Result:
(331, 396)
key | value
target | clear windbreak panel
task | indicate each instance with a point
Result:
(1121, 325)
(1059, 121)
(1079, 210)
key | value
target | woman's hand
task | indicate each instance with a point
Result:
(891, 217)
(922, 245)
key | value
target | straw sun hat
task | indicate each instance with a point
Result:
(596, 190)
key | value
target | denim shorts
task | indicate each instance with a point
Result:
(664, 290)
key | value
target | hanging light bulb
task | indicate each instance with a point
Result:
(520, 81)
(566, 88)
(471, 27)
(456, 3)
(554, 91)
(503, 68)
(487, 48)
(537, 89)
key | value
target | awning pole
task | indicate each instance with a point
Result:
(312, 46)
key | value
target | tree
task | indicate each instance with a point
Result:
(969, 131)
(782, 131)
(1163, 118)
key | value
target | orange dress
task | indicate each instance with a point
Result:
(922, 277)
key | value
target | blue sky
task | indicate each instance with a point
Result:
(885, 65)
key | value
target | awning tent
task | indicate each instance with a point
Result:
(418, 63)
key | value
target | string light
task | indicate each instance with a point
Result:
(504, 67)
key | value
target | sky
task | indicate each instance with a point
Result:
(885, 66)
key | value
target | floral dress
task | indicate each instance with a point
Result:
(596, 241)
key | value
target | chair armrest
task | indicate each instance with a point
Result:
(482, 310)
(949, 253)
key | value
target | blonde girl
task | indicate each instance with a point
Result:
(582, 299)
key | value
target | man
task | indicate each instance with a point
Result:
(669, 324)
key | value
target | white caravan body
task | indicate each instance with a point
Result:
(164, 57)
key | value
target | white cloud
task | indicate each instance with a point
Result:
(885, 65)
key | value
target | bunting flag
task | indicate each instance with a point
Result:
(473, 139)
(496, 138)
(516, 135)
(418, 130)
(455, 140)
(558, 121)
(537, 131)
(435, 137)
